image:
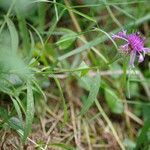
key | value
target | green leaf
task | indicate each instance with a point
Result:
(83, 65)
(129, 144)
(15, 123)
(83, 72)
(146, 112)
(113, 101)
(32, 45)
(3, 113)
(23, 30)
(108, 37)
(142, 140)
(94, 88)
(29, 111)
(39, 89)
(67, 39)
(17, 107)
(13, 34)
(41, 15)
(80, 49)
(85, 82)
(38, 34)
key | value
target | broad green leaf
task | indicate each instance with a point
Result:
(66, 41)
(113, 101)
(82, 72)
(94, 88)
(29, 111)
(85, 82)
(83, 65)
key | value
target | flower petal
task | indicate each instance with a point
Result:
(132, 58)
(121, 35)
(146, 50)
(141, 58)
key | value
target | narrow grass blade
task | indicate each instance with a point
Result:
(13, 34)
(83, 15)
(29, 112)
(56, 10)
(17, 107)
(41, 15)
(23, 31)
(38, 34)
(39, 89)
(32, 44)
(82, 48)
(63, 99)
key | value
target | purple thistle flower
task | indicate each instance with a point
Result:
(134, 45)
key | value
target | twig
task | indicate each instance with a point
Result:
(109, 124)
(109, 73)
(134, 117)
(37, 145)
(102, 73)
(53, 114)
(87, 135)
(51, 129)
(73, 116)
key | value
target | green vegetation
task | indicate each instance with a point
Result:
(65, 83)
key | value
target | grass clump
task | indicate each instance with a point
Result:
(64, 81)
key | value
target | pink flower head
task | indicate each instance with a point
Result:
(134, 45)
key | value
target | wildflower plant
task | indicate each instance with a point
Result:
(134, 46)
(60, 84)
